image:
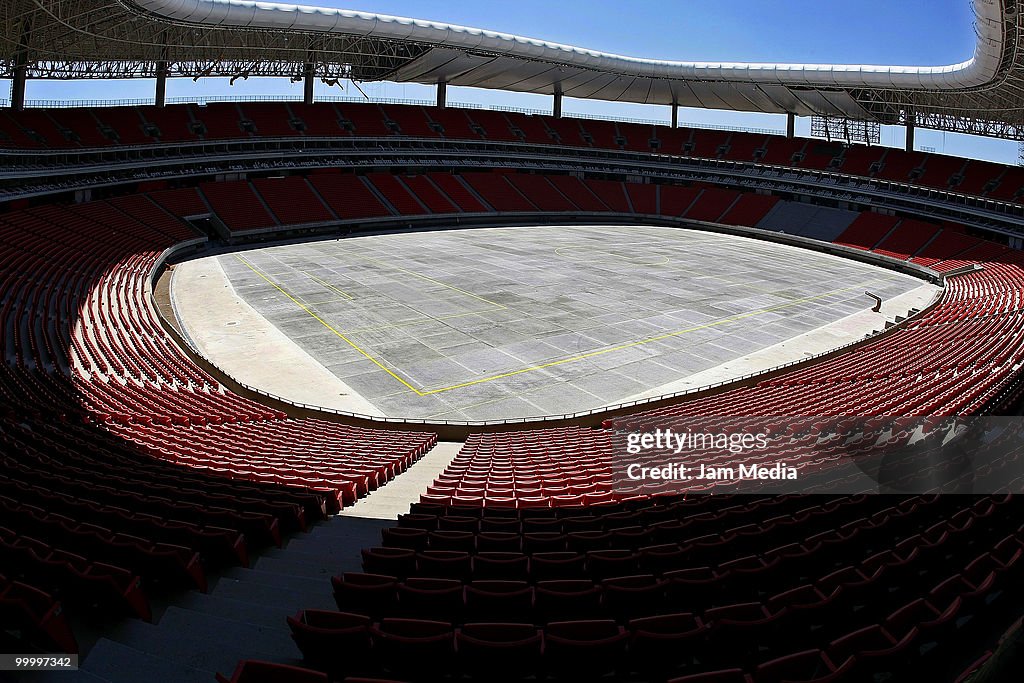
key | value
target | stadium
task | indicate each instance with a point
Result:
(361, 390)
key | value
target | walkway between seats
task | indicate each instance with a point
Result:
(394, 498)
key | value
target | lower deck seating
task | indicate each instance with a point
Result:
(750, 209)
(712, 204)
(397, 194)
(125, 469)
(612, 193)
(498, 192)
(34, 617)
(867, 230)
(947, 244)
(541, 193)
(292, 200)
(643, 198)
(429, 195)
(524, 560)
(348, 196)
(837, 588)
(576, 191)
(907, 239)
(458, 192)
(238, 205)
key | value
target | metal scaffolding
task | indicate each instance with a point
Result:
(846, 130)
(75, 39)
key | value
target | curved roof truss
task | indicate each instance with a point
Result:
(241, 38)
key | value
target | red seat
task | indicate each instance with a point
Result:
(511, 566)
(322, 635)
(630, 597)
(427, 598)
(252, 671)
(871, 650)
(721, 676)
(444, 564)
(666, 644)
(408, 538)
(809, 666)
(374, 595)
(547, 566)
(397, 562)
(584, 649)
(490, 651)
(415, 648)
(499, 601)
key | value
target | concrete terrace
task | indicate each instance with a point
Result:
(516, 322)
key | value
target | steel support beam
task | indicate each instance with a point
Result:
(910, 132)
(791, 125)
(442, 94)
(161, 83)
(19, 78)
(556, 105)
(307, 83)
(18, 82)
(675, 114)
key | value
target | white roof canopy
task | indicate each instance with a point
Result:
(93, 38)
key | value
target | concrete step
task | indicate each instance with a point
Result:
(238, 610)
(315, 553)
(79, 676)
(270, 578)
(296, 566)
(119, 663)
(210, 643)
(288, 601)
(346, 528)
(309, 565)
(334, 550)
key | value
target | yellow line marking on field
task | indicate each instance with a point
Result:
(430, 279)
(328, 285)
(412, 322)
(567, 252)
(323, 322)
(640, 342)
(540, 366)
(324, 303)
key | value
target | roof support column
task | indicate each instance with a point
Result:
(307, 83)
(442, 94)
(161, 83)
(556, 106)
(911, 121)
(790, 125)
(675, 114)
(19, 78)
(18, 81)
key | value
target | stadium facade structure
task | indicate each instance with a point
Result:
(130, 470)
(196, 38)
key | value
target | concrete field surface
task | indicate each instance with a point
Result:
(498, 323)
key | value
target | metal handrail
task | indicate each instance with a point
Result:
(202, 100)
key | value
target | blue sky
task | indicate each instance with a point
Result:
(904, 32)
(862, 31)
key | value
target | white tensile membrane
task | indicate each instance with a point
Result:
(979, 70)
